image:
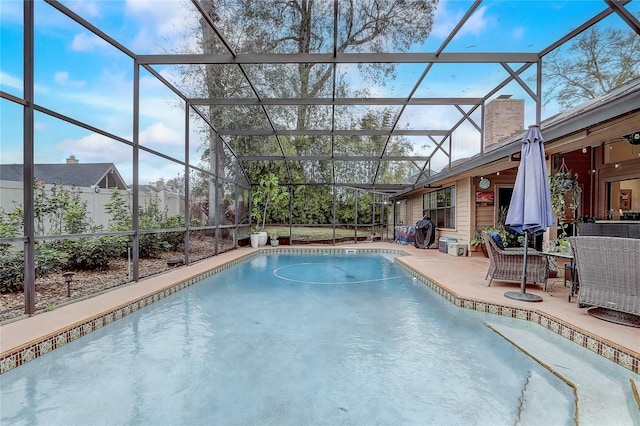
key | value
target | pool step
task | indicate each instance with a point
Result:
(543, 404)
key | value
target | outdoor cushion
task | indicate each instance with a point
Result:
(497, 239)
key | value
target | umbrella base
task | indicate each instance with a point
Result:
(524, 297)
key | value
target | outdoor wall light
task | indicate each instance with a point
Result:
(617, 165)
(633, 138)
(584, 150)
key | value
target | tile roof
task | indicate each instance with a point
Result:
(82, 174)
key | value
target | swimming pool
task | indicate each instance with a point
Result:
(289, 339)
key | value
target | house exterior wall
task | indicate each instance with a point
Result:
(417, 208)
(463, 230)
(404, 212)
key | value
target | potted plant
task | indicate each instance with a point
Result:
(273, 236)
(255, 236)
(477, 241)
(267, 193)
(561, 245)
(560, 183)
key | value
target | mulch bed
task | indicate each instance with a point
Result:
(51, 291)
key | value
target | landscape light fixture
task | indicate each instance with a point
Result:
(68, 278)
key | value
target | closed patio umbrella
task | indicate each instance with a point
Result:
(530, 209)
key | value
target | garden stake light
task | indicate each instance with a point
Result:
(68, 277)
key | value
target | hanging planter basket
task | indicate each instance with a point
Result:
(567, 184)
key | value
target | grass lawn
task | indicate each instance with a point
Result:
(316, 233)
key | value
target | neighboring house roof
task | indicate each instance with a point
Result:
(154, 188)
(102, 175)
(145, 188)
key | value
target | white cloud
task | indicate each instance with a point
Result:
(150, 82)
(517, 33)
(87, 9)
(10, 81)
(161, 23)
(11, 12)
(160, 135)
(476, 24)
(95, 148)
(107, 102)
(446, 19)
(84, 42)
(62, 78)
(98, 148)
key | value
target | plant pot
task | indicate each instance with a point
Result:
(262, 240)
(275, 242)
(255, 240)
(285, 241)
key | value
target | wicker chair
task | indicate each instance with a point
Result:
(609, 269)
(506, 265)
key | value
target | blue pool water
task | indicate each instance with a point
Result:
(286, 339)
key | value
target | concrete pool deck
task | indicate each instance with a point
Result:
(459, 278)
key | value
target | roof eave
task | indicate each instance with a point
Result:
(552, 129)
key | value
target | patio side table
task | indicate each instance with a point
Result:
(569, 257)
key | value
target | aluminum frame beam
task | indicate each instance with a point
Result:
(329, 132)
(338, 58)
(336, 101)
(332, 158)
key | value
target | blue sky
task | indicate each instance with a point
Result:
(83, 77)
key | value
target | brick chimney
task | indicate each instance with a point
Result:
(504, 117)
(72, 159)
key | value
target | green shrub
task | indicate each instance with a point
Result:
(174, 239)
(60, 210)
(11, 272)
(10, 226)
(150, 245)
(92, 253)
(47, 260)
(151, 217)
(96, 253)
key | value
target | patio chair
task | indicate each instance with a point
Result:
(609, 269)
(506, 264)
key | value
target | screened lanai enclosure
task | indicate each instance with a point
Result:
(134, 133)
